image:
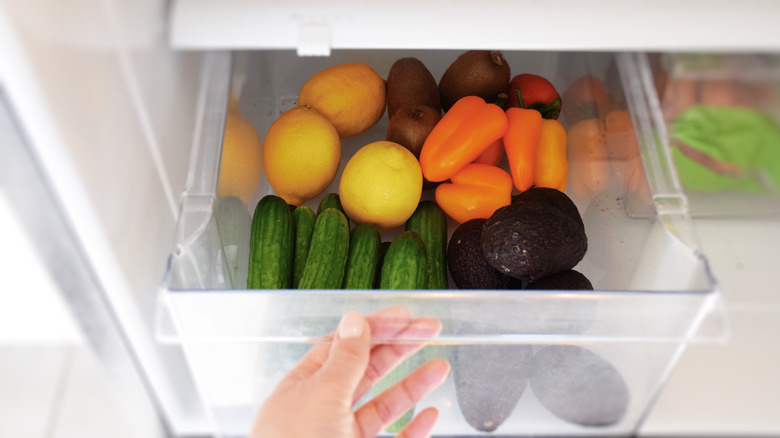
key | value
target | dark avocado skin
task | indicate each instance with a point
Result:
(489, 379)
(467, 264)
(566, 280)
(540, 234)
(579, 386)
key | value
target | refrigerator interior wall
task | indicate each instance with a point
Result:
(653, 289)
(109, 112)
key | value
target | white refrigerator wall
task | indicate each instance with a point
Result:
(109, 111)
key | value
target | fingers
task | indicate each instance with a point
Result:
(348, 356)
(384, 357)
(386, 322)
(421, 425)
(391, 404)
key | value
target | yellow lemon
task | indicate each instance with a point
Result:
(301, 154)
(352, 96)
(381, 184)
(241, 166)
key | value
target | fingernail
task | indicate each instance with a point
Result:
(351, 325)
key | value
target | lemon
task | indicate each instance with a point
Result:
(241, 166)
(351, 96)
(301, 154)
(381, 185)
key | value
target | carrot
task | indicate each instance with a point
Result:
(520, 142)
(621, 145)
(587, 154)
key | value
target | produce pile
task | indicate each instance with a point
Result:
(516, 227)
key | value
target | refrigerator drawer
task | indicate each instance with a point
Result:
(552, 362)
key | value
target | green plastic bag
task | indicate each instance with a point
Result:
(739, 138)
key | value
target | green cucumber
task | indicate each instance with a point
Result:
(234, 224)
(304, 218)
(430, 222)
(328, 252)
(331, 200)
(271, 245)
(364, 242)
(383, 247)
(404, 266)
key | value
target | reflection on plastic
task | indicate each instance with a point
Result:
(579, 386)
(489, 381)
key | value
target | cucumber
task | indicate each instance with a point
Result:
(234, 224)
(304, 218)
(271, 245)
(328, 252)
(331, 200)
(430, 222)
(383, 247)
(405, 264)
(364, 242)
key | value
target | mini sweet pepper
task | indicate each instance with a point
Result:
(521, 141)
(462, 135)
(475, 192)
(552, 168)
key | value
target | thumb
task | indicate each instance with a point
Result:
(348, 357)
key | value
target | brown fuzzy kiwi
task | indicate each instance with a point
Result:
(480, 73)
(409, 82)
(409, 126)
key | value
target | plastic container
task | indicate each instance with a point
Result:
(723, 118)
(575, 362)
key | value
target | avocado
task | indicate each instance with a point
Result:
(482, 73)
(409, 82)
(540, 234)
(467, 264)
(489, 379)
(579, 386)
(410, 125)
(566, 280)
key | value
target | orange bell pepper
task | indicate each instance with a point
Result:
(493, 154)
(475, 192)
(552, 167)
(520, 141)
(462, 135)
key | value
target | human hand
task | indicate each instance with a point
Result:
(315, 399)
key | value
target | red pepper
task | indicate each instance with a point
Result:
(534, 92)
(521, 140)
(462, 135)
(476, 191)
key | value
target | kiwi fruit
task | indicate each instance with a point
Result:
(480, 73)
(409, 82)
(409, 126)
